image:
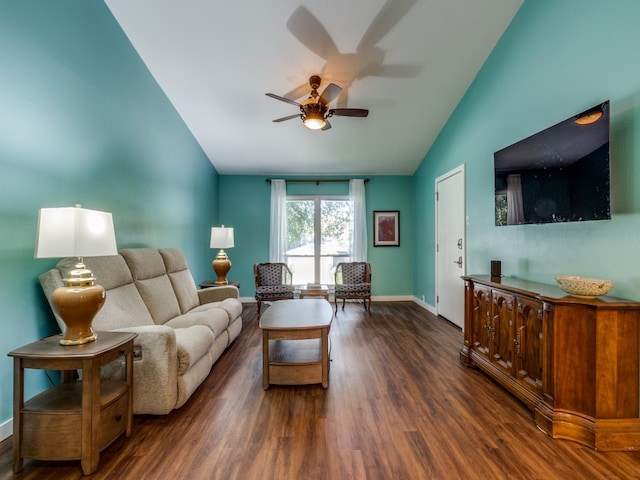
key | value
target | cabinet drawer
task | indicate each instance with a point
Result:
(113, 420)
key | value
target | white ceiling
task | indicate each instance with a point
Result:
(408, 61)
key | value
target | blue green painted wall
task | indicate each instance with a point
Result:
(556, 59)
(245, 203)
(83, 121)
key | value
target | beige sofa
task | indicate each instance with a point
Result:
(181, 331)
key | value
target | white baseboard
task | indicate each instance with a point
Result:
(6, 429)
(426, 306)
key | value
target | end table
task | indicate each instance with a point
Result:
(75, 419)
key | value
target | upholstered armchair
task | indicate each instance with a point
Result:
(273, 282)
(353, 281)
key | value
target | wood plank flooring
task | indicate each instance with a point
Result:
(399, 406)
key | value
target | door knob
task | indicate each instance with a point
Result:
(459, 261)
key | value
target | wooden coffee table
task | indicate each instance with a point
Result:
(295, 342)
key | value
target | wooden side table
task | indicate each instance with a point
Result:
(75, 419)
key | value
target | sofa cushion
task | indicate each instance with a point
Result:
(215, 319)
(232, 306)
(183, 285)
(159, 298)
(150, 277)
(122, 308)
(193, 343)
(144, 262)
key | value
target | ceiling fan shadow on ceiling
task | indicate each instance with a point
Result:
(315, 111)
(367, 61)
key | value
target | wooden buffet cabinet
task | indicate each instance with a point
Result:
(573, 361)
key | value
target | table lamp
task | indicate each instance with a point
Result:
(76, 232)
(221, 237)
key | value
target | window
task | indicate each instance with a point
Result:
(318, 237)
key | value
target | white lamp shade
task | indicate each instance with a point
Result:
(74, 232)
(221, 237)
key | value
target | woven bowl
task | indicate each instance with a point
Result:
(584, 286)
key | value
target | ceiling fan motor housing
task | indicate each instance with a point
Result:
(314, 81)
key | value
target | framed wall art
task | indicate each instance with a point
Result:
(386, 228)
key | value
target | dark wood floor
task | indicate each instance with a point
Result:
(399, 406)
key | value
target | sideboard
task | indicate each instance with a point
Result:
(573, 361)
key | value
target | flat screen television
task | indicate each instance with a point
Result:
(560, 174)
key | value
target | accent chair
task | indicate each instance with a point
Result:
(353, 281)
(273, 282)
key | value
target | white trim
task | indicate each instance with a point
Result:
(426, 306)
(392, 298)
(6, 429)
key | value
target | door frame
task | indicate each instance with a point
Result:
(457, 170)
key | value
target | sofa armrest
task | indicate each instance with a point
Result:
(217, 294)
(155, 369)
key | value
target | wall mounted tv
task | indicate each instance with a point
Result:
(560, 174)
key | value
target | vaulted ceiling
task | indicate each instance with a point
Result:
(409, 62)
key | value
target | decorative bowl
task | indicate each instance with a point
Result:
(584, 286)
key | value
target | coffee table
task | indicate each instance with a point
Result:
(295, 342)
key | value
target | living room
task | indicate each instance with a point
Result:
(85, 122)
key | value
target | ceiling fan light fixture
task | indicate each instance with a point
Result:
(314, 121)
(314, 116)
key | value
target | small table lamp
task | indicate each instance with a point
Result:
(221, 237)
(76, 232)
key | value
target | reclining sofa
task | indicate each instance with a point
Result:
(181, 331)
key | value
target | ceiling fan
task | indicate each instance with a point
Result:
(315, 111)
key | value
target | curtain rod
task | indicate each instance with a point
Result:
(316, 181)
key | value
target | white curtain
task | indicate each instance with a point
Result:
(278, 230)
(515, 210)
(359, 237)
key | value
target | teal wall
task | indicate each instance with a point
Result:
(556, 59)
(83, 121)
(245, 203)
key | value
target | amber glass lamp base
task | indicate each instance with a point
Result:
(77, 302)
(221, 265)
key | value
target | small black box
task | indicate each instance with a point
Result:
(496, 268)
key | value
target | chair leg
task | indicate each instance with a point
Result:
(343, 300)
(335, 301)
(259, 304)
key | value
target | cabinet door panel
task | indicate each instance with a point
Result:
(502, 314)
(481, 320)
(528, 343)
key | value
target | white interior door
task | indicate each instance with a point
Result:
(450, 245)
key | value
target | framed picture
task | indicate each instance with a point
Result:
(386, 228)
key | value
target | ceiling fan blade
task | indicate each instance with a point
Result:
(330, 93)
(327, 125)
(349, 112)
(298, 92)
(282, 99)
(289, 117)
